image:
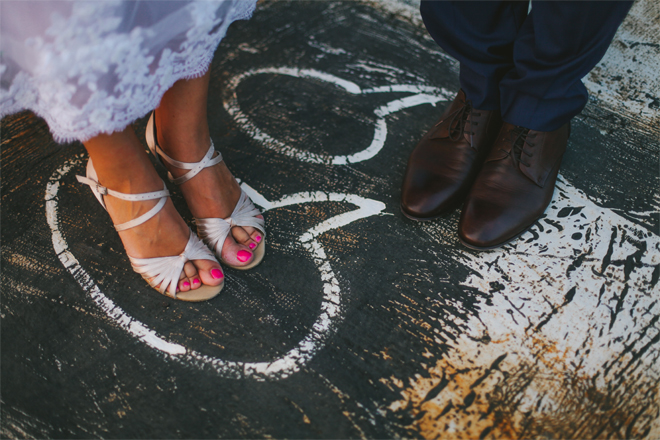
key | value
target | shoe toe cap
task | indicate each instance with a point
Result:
(428, 198)
(487, 225)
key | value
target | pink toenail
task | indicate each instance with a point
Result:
(243, 256)
(186, 284)
(217, 274)
(257, 238)
(196, 281)
(252, 245)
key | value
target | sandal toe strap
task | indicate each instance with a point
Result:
(166, 271)
(214, 231)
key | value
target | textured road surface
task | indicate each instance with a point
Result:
(359, 322)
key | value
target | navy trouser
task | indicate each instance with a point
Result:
(529, 66)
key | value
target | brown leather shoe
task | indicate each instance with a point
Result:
(446, 161)
(514, 186)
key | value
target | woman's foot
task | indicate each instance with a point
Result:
(122, 165)
(183, 134)
(164, 235)
(212, 193)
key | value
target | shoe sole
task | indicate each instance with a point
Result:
(427, 219)
(200, 294)
(495, 246)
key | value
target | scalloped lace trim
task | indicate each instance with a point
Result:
(92, 77)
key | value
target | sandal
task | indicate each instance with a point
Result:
(213, 231)
(160, 270)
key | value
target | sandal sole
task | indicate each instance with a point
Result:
(203, 293)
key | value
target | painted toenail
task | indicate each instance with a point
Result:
(243, 256)
(252, 245)
(186, 284)
(217, 274)
(257, 238)
(196, 281)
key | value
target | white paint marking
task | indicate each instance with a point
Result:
(412, 88)
(570, 296)
(370, 66)
(538, 270)
(326, 48)
(329, 316)
(424, 95)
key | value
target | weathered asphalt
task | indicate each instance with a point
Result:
(359, 322)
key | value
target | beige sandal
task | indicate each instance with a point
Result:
(213, 231)
(163, 271)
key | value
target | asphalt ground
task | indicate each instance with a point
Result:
(359, 322)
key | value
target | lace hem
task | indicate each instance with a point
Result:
(91, 76)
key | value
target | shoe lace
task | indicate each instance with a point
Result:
(519, 135)
(458, 121)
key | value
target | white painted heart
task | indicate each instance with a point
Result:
(324, 326)
(330, 314)
(423, 95)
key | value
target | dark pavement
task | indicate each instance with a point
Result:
(359, 322)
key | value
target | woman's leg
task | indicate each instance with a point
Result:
(183, 133)
(122, 165)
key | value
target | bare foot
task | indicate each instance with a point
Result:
(212, 193)
(165, 234)
(183, 134)
(122, 165)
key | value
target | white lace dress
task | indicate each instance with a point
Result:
(91, 67)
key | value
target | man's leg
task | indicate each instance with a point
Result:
(558, 44)
(481, 36)
(446, 161)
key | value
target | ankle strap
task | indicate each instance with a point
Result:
(102, 190)
(130, 197)
(194, 167)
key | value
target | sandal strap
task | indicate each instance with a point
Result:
(130, 197)
(214, 231)
(103, 191)
(143, 218)
(166, 271)
(194, 167)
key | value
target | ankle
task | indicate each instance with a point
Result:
(129, 178)
(183, 140)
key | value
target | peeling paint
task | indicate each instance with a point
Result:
(572, 314)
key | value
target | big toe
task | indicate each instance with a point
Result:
(209, 272)
(236, 254)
